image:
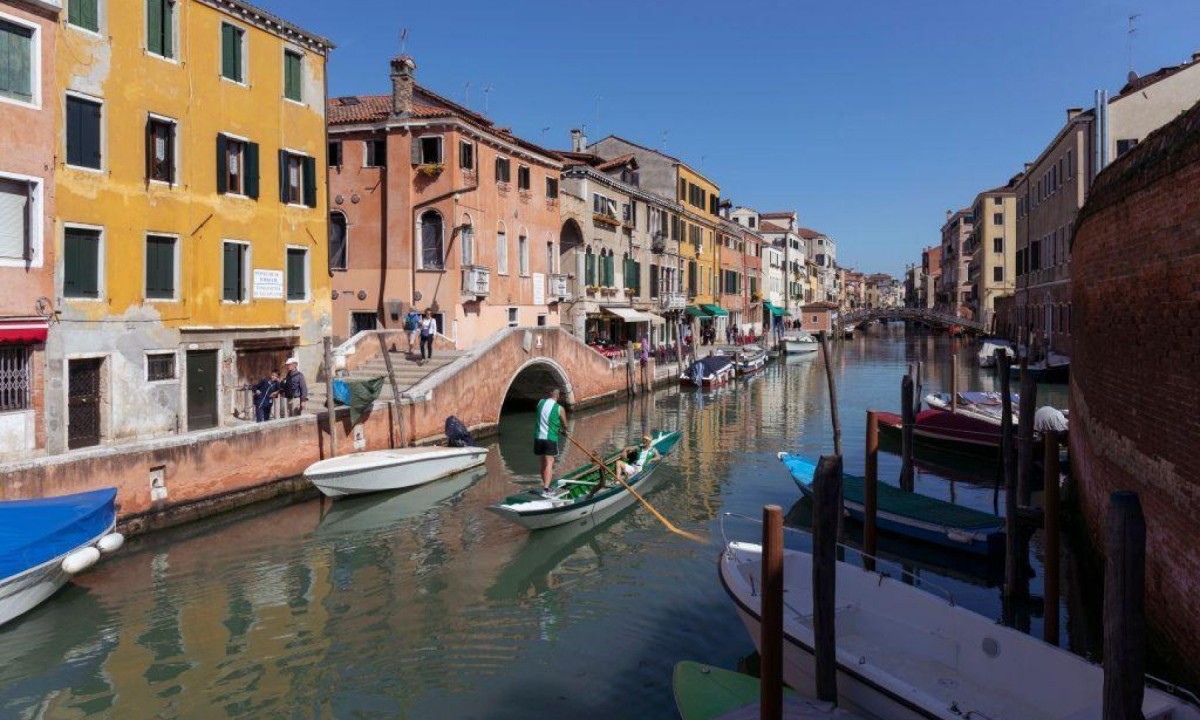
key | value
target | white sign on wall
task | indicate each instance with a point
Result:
(268, 284)
(539, 289)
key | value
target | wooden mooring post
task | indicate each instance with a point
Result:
(953, 381)
(1025, 435)
(1124, 608)
(1050, 531)
(330, 407)
(827, 512)
(871, 492)
(908, 419)
(771, 626)
(391, 371)
(1012, 559)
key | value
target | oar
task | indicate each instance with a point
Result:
(667, 523)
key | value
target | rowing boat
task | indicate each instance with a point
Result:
(911, 514)
(750, 360)
(704, 692)
(576, 493)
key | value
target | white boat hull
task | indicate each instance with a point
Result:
(21, 593)
(391, 469)
(800, 346)
(604, 506)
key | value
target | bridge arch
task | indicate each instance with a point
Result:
(531, 381)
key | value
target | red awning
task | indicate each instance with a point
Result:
(23, 333)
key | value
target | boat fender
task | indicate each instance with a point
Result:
(781, 455)
(959, 536)
(111, 542)
(80, 560)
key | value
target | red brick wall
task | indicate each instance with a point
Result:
(1135, 380)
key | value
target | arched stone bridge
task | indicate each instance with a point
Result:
(929, 317)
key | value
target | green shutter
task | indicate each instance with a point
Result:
(84, 14)
(310, 182)
(283, 176)
(295, 275)
(231, 273)
(154, 26)
(168, 28)
(222, 168)
(160, 267)
(291, 76)
(16, 57)
(231, 52)
(250, 171)
(81, 264)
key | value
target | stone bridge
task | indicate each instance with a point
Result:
(929, 317)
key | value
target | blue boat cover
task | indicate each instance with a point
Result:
(34, 531)
(802, 469)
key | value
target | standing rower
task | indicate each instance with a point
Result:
(551, 418)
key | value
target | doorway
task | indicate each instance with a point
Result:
(83, 402)
(201, 389)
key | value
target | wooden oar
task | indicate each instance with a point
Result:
(666, 523)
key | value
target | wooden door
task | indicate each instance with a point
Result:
(201, 389)
(83, 402)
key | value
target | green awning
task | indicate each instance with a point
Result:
(775, 311)
(695, 311)
(715, 310)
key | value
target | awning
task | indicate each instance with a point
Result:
(629, 315)
(23, 333)
(655, 319)
(715, 310)
(695, 311)
(775, 311)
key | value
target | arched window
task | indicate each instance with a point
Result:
(501, 250)
(466, 241)
(432, 257)
(523, 253)
(338, 249)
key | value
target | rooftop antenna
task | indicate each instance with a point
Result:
(1131, 33)
(486, 89)
(599, 99)
(702, 161)
(403, 41)
(544, 134)
(467, 94)
(663, 142)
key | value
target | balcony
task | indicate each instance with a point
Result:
(560, 287)
(671, 301)
(476, 281)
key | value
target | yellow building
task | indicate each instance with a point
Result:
(699, 197)
(191, 214)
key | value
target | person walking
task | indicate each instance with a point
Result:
(295, 389)
(412, 322)
(428, 327)
(265, 391)
(551, 419)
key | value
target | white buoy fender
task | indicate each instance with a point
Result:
(111, 542)
(80, 560)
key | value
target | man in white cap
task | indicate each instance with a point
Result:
(295, 389)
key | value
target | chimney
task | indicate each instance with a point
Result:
(1196, 57)
(948, 214)
(1072, 113)
(403, 68)
(578, 141)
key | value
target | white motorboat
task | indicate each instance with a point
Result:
(801, 344)
(987, 351)
(391, 469)
(907, 654)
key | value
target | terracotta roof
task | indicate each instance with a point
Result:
(823, 305)
(580, 157)
(617, 162)
(785, 214)
(809, 234)
(770, 227)
(1146, 81)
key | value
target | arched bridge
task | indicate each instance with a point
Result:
(929, 317)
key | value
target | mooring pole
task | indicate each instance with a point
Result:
(827, 511)
(391, 371)
(833, 404)
(771, 628)
(907, 421)
(1011, 544)
(1025, 434)
(330, 409)
(920, 386)
(1050, 529)
(953, 381)
(871, 491)
(1124, 608)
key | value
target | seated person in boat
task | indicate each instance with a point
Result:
(635, 458)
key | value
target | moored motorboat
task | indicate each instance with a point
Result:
(44, 542)
(710, 371)
(1054, 368)
(581, 493)
(801, 344)
(750, 359)
(956, 430)
(989, 348)
(907, 654)
(391, 469)
(848, 330)
(911, 514)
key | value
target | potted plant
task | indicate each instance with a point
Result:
(431, 170)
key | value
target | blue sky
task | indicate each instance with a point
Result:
(869, 118)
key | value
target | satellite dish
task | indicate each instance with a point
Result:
(1131, 76)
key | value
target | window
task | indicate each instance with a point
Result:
(1124, 146)
(160, 267)
(432, 257)
(160, 150)
(466, 155)
(84, 14)
(335, 154)
(338, 246)
(998, 274)
(235, 270)
(523, 178)
(293, 75)
(20, 222)
(428, 150)
(297, 274)
(81, 263)
(297, 179)
(18, 62)
(160, 366)
(998, 218)
(998, 244)
(83, 132)
(160, 28)
(551, 188)
(502, 170)
(237, 166)
(589, 268)
(15, 378)
(751, 220)
(523, 255)
(512, 317)
(375, 153)
(466, 241)
(233, 53)
(501, 252)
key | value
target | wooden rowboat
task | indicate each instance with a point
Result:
(703, 692)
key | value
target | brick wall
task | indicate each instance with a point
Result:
(1135, 384)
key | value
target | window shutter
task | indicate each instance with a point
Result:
(171, 153)
(149, 143)
(250, 171)
(92, 150)
(415, 150)
(222, 168)
(310, 182)
(229, 55)
(230, 273)
(89, 256)
(168, 27)
(154, 26)
(283, 176)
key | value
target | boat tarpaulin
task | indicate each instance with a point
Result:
(358, 394)
(628, 314)
(695, 312)
(35, 531)
(715, 310)
(23, 333)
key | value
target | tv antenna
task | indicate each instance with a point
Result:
(403, 41)
(467, 94)
(486, 89)
(599, 99)
(1131, 32)
(662, 143)
(544, 134)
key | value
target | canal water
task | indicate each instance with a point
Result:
(424, 605)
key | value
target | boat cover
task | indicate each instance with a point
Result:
(707, 367)
(35, 531)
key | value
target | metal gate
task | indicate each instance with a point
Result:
(83, 402)
(202, 389)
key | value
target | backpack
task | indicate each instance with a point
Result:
(457, 433)
(410, 321)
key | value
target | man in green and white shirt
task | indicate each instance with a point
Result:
(551, 418)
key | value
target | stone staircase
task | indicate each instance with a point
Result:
(407, 368)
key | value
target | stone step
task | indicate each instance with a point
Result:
(407, 372)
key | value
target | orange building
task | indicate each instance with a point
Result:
(432, 206)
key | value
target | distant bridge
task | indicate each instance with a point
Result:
(929, 317)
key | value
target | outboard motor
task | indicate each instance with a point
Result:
(457, 434)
